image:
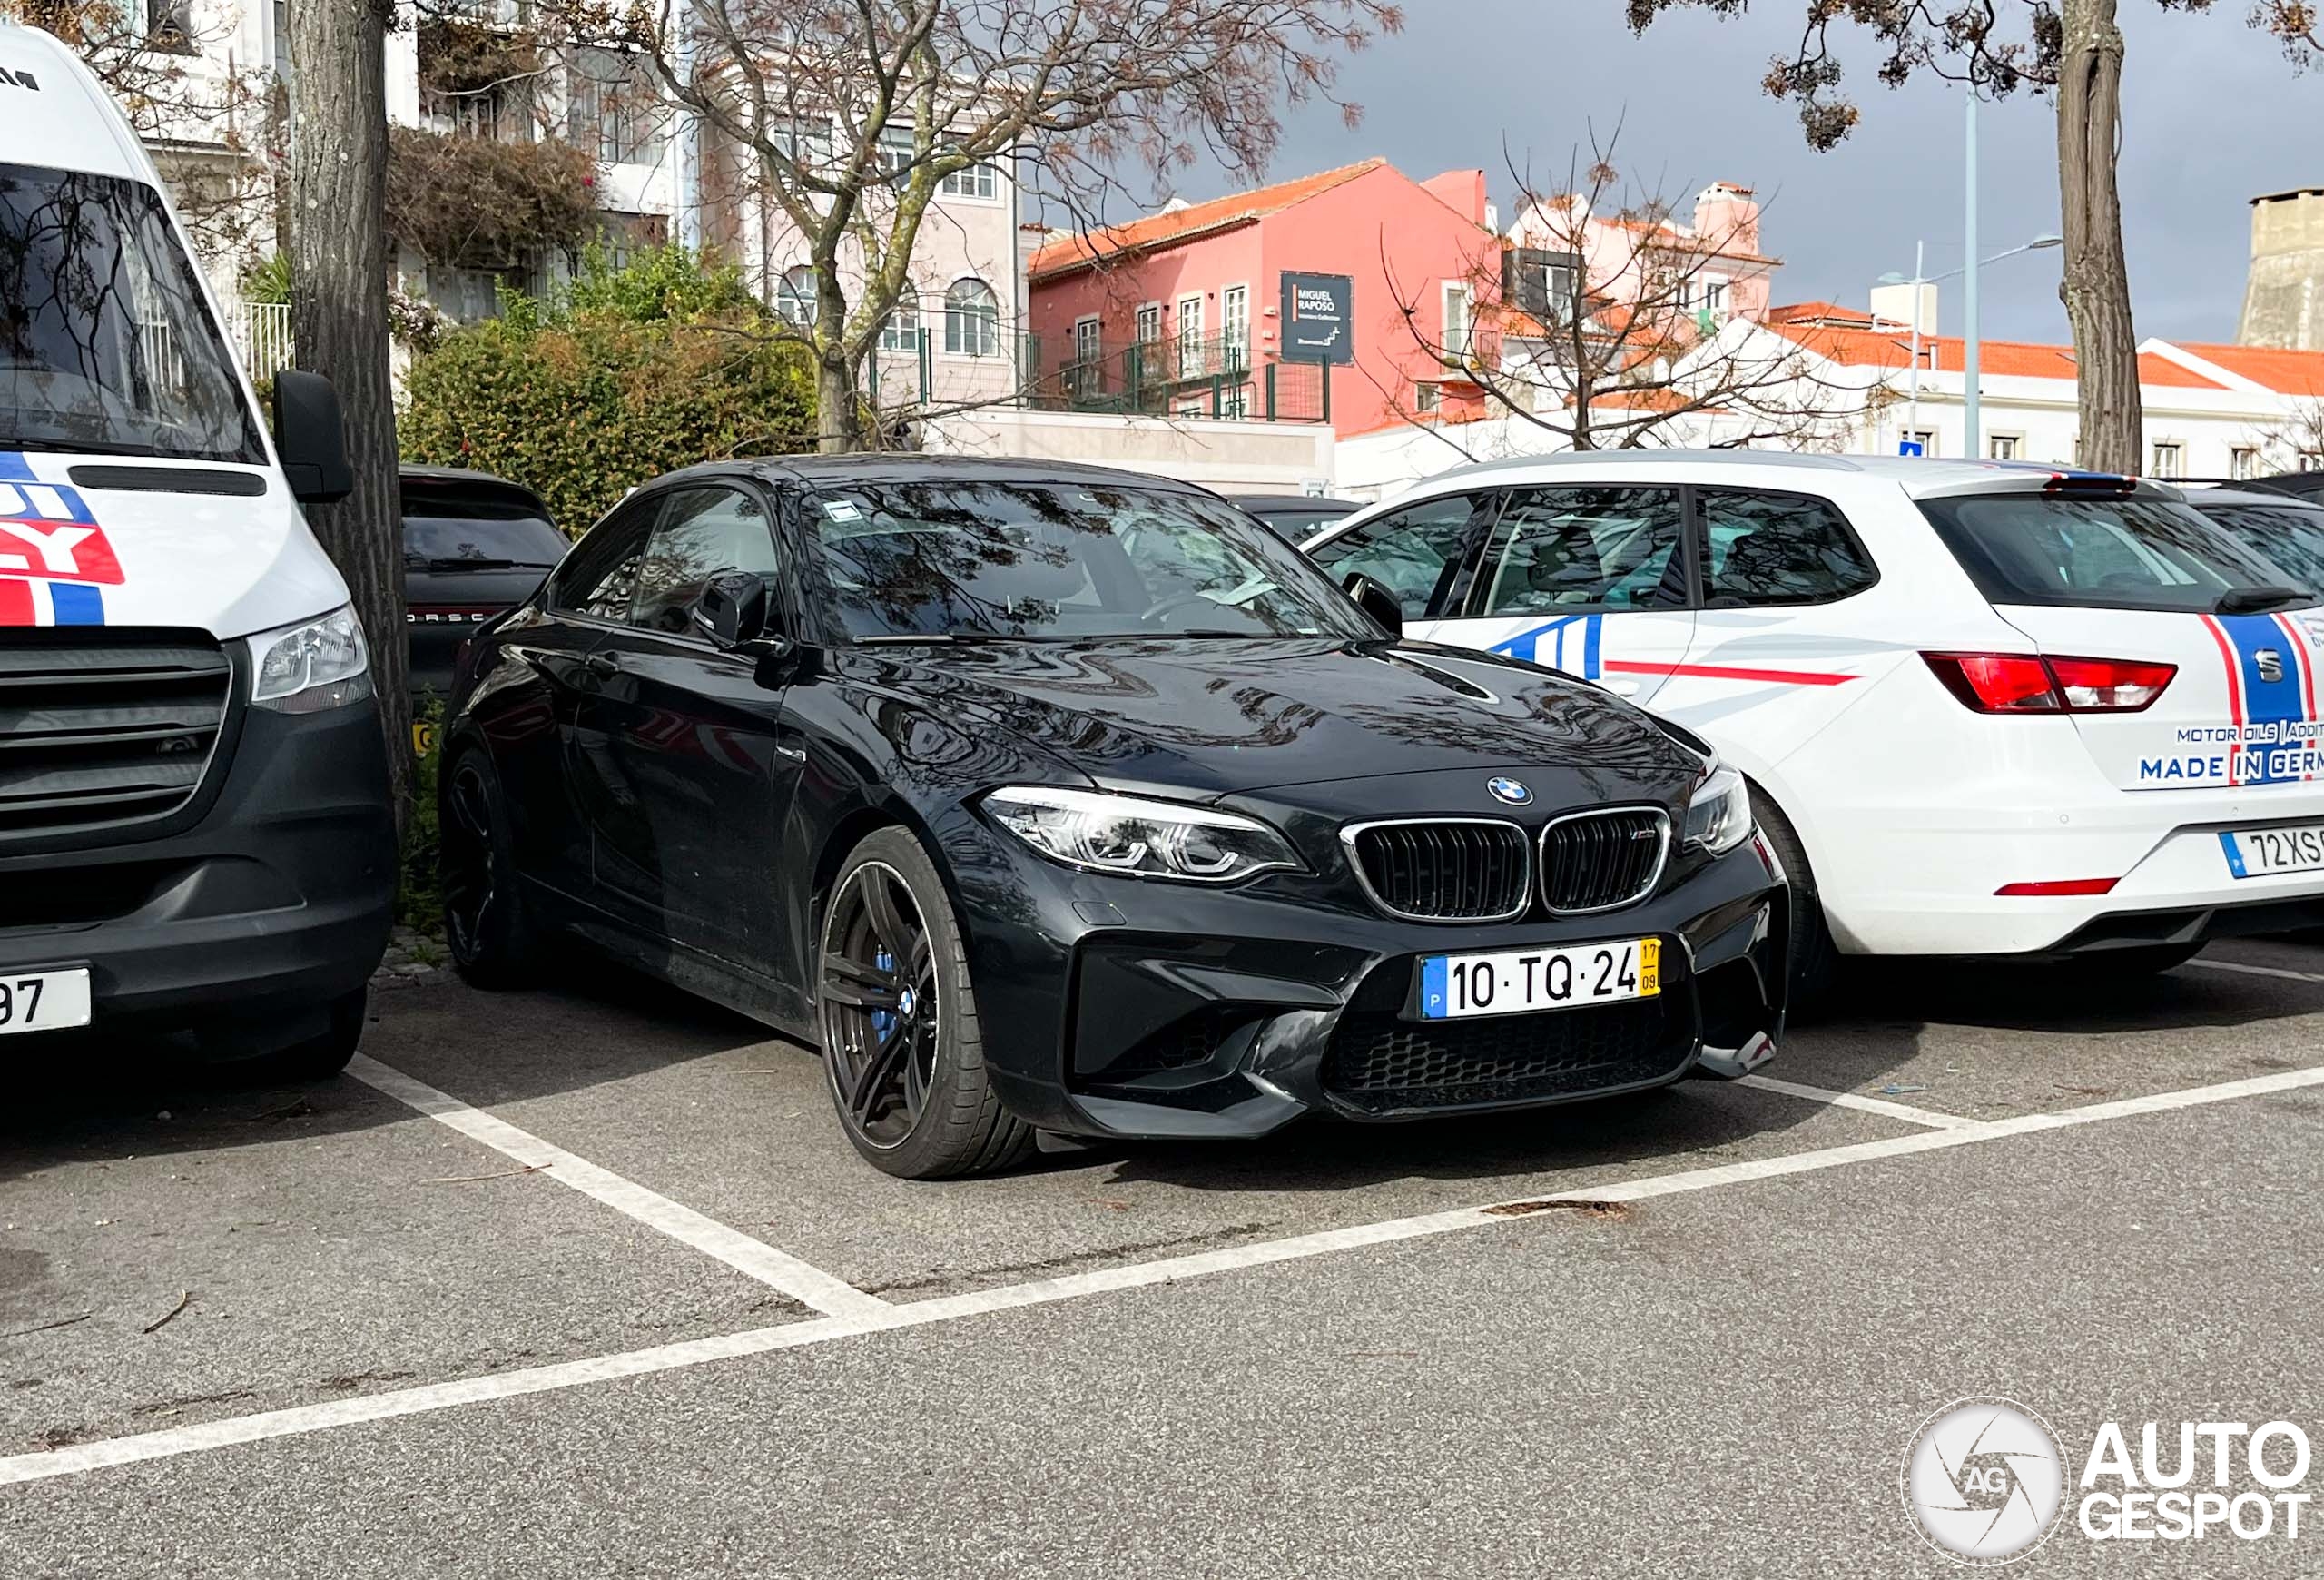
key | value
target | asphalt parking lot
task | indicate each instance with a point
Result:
(587, 1283)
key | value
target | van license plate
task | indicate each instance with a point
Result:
(43, 1001)
(2262, 853)
(1514, 981)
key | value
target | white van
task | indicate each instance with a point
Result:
(195, 831)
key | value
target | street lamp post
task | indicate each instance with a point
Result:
(1920, 280)
(1971, 417)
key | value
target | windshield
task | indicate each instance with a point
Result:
(1062, 562)
(2108, 554)
(106, 344)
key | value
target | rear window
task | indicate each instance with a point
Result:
(2104, 554)
(2290, 535)
(480, 533)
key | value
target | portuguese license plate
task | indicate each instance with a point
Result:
(43, 1001)
(2262, 853)
(1516, 981)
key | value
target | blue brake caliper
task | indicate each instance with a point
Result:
(883, 1021)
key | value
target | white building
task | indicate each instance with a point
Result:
(2211, 410)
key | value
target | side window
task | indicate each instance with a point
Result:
(703, 533)
(1566, 548)
(1778, 549)
(1413, 552)
(597, 576)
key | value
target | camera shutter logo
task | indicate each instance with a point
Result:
(1984, 1479)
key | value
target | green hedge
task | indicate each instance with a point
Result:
(628, 374)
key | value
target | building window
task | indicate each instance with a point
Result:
(2002, 446)
(1922, 437)
(971, 319)
(977, 181)
(2169, 458)
(1458, 325)
(795, 296)
(1190, 358)
(1150, 323)
(169, 26)
(806, 143)
(901, 331)
(1235, 326)
(1559, 293)
(1087, 353)
(1427, 396)
(1715, 298)
(2243, 465)
(894, 153)
(611, 110)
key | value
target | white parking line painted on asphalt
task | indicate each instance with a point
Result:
(1894, 1111)
(2275, 971)
(811, 1285)
(402, 1402)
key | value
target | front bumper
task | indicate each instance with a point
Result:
(239, 920)
(1114, 1007)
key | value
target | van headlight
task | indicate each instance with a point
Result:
(312, 665)
(1133, 837)
(1719, 815)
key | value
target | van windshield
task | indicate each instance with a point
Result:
(106, 343)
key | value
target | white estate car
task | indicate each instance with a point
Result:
(1985, 708)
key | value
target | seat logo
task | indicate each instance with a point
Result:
(1515, 792)
(2270, 663)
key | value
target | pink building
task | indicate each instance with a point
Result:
(1358, 286)
(1710, 270)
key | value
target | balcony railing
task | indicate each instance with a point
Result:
(1213, 376)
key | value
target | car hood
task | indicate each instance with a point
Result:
(145, 550)
(1214, 718)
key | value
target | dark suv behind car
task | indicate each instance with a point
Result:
(473, 546)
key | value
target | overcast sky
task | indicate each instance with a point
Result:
(2212, 117)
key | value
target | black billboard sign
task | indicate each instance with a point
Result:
(1318, 318)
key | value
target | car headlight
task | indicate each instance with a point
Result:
(1132, 837)
(1719, 815)
(311, 666)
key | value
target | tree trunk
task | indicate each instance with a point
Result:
(2096, 288)
(339, 320)
(839, 416)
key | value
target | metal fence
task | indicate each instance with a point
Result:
(1212, 376)
(261, 336)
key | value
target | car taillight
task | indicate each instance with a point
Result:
(2024, 683)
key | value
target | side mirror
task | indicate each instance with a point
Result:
(1372, 596)
(310, 438)
(732, 608)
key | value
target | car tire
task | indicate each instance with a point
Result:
(903, 1048)
(487, 928)
(325, 1055)
(1815, 959)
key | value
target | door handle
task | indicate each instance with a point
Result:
(600, 664)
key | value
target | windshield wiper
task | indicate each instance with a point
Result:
(957, 638)
(474, 562)
(2251, 600)
(73, 447)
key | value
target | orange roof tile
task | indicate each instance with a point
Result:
(2286, 372)
(1176, 225)
(1892, 347)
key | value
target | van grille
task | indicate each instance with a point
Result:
(1446, 870)
(104, 728)
(1595, 861)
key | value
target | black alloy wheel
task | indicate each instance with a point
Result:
(483, 921)
(901, 1043)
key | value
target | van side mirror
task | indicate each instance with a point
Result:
(732, 608)
(1372, 596)
(312, 437)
